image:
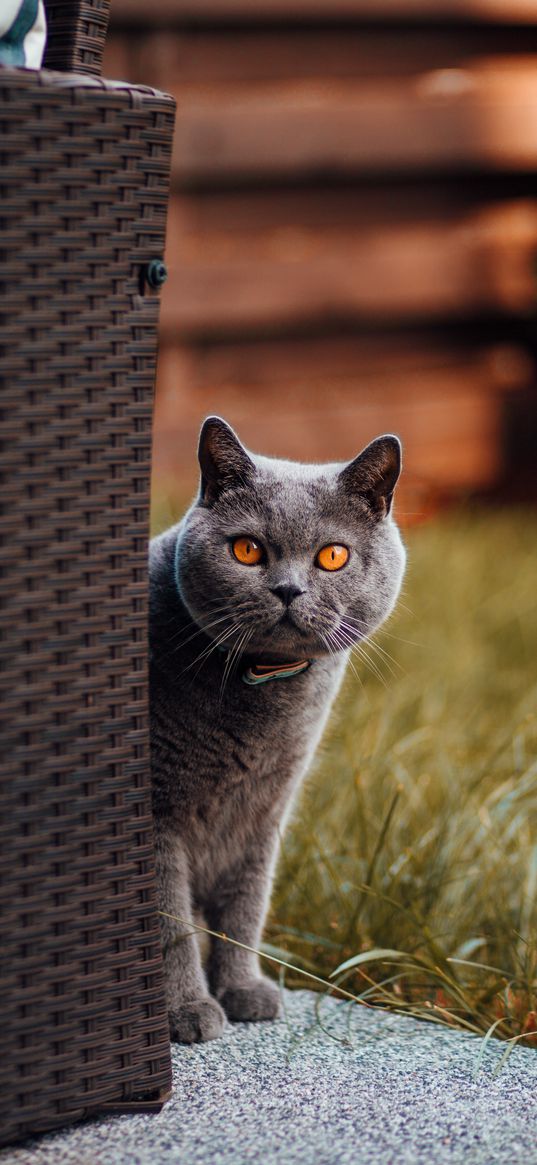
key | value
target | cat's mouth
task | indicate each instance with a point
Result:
(286, 640)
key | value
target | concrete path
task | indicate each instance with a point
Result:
(378, 1090)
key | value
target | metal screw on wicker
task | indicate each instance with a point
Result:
(156, 273)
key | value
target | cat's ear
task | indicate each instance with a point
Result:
(223, 461)
(373, 474)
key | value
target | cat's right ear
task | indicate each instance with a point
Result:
(224, 462)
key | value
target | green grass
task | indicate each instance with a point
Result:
(416, 833)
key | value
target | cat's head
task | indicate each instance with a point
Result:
(293, 560)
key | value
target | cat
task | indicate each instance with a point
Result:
(256, 598)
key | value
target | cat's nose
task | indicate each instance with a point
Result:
(287, 593)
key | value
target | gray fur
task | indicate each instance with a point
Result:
(227, 758)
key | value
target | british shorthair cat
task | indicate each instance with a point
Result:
(257, 597)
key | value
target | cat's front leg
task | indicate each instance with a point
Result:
(237, 909)
(193, 1014)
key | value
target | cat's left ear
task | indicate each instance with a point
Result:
(223, 461)
(373, 474)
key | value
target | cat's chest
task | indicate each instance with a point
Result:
(253, 760)
(225, 765)
(249, 742)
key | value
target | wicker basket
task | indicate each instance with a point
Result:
(84, 184)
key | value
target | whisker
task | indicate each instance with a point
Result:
(362, 654)
(212, 646)
(382, 631)
(200, 630)
(349, 620)
(233, 658)
(226, 609)
(408, 610)
(343, 645)
(387, 659)
(228, 666)
(324, 637)
(384, 656)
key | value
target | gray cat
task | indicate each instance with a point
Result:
(257, 596)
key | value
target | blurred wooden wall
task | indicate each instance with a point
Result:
(353, 228)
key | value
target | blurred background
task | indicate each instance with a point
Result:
(352, 239)
(352, 247)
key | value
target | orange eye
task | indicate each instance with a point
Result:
(247, 551)
(332, 557)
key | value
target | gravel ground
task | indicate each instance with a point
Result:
(372, 1088)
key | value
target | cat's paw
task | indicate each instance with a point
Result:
(259, 999)
(196, 1021)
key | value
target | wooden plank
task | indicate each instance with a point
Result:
(371, 361)
(203, 216)
(221, 11)
(445, 404)
(449, 425)
(456, 266)
(199, 219)
(205, 56)
(478, 118)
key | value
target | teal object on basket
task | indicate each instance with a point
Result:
(23, 33)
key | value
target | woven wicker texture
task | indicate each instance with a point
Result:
(76, 32)
(83, 183)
